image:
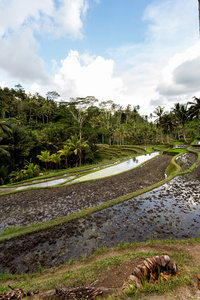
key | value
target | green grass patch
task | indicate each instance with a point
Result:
(173, 167)
(95, 268)
(10, 233)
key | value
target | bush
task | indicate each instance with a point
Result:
(28, 172)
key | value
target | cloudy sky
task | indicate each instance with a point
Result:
(138, 52)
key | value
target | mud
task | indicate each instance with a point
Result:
(172, 210)
(41, 205)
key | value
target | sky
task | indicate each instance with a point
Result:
(137, 52)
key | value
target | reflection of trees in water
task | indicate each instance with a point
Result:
(135, 159)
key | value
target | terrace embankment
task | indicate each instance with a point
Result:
(136, 219)
(41, 205)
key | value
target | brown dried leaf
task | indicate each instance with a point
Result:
(145, 271)
(153, 276)
(165, 276)
(198, 281)
(158, 260)
(138, 272)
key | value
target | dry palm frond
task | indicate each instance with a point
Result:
(152, 269)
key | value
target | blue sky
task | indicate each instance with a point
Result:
(134, 52)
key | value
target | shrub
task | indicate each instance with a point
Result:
(28, 172)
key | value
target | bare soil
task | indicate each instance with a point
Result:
(112, 281)
(32, 206)
(55, 246)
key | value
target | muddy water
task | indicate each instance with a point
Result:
(118, 168)
(172, 210)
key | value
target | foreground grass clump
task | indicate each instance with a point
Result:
(111, 267)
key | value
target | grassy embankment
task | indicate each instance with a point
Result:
(111, 267)
(172, 170)
(101, 264)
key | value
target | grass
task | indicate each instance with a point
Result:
(98, 267)
(10, 233)
(112, 154)
(93, 268)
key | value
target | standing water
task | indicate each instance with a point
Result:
(117, 168)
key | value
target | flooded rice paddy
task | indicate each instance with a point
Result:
(172, 210)
(44, 183)
(32, 206)
(117, 168)
(108, 171)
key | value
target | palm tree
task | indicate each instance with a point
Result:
(56, 159)
(45, 157)
(76, 145)
(4, 128)
(5, 131)
(194, 111)
(66, 151)
(182, 114)
(159, 114)
(168, 124)
(134, 115)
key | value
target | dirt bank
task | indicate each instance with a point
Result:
(32, 206)
(136, 219)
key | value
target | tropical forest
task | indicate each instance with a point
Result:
(41, 133)
(98, 201)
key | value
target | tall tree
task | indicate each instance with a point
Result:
(66, 151)
(56, 159)
(78, 108)
(76, 145)
(182, 114)
(159, 114)
(194, 111)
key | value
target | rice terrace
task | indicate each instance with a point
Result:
(47, 227)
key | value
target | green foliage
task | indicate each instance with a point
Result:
(45, 157)
(28, 172)
(31, 124)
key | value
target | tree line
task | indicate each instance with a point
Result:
(39, 132)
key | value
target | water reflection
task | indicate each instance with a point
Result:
(109, 171)
(161, 213)
(45, 183)
(117, 168)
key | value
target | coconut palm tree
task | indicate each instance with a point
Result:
(56, 159)
(66, 151)
(45, 157)
(76, 145)
(159, 114)
(194, 111)
(182, 114)
(4, 128)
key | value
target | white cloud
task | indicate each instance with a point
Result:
(17, 13)
(181, 75)
(172, 23)
(83, 77)
(43, 17)
(157, 71)
(21, 20)
(18, 58)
